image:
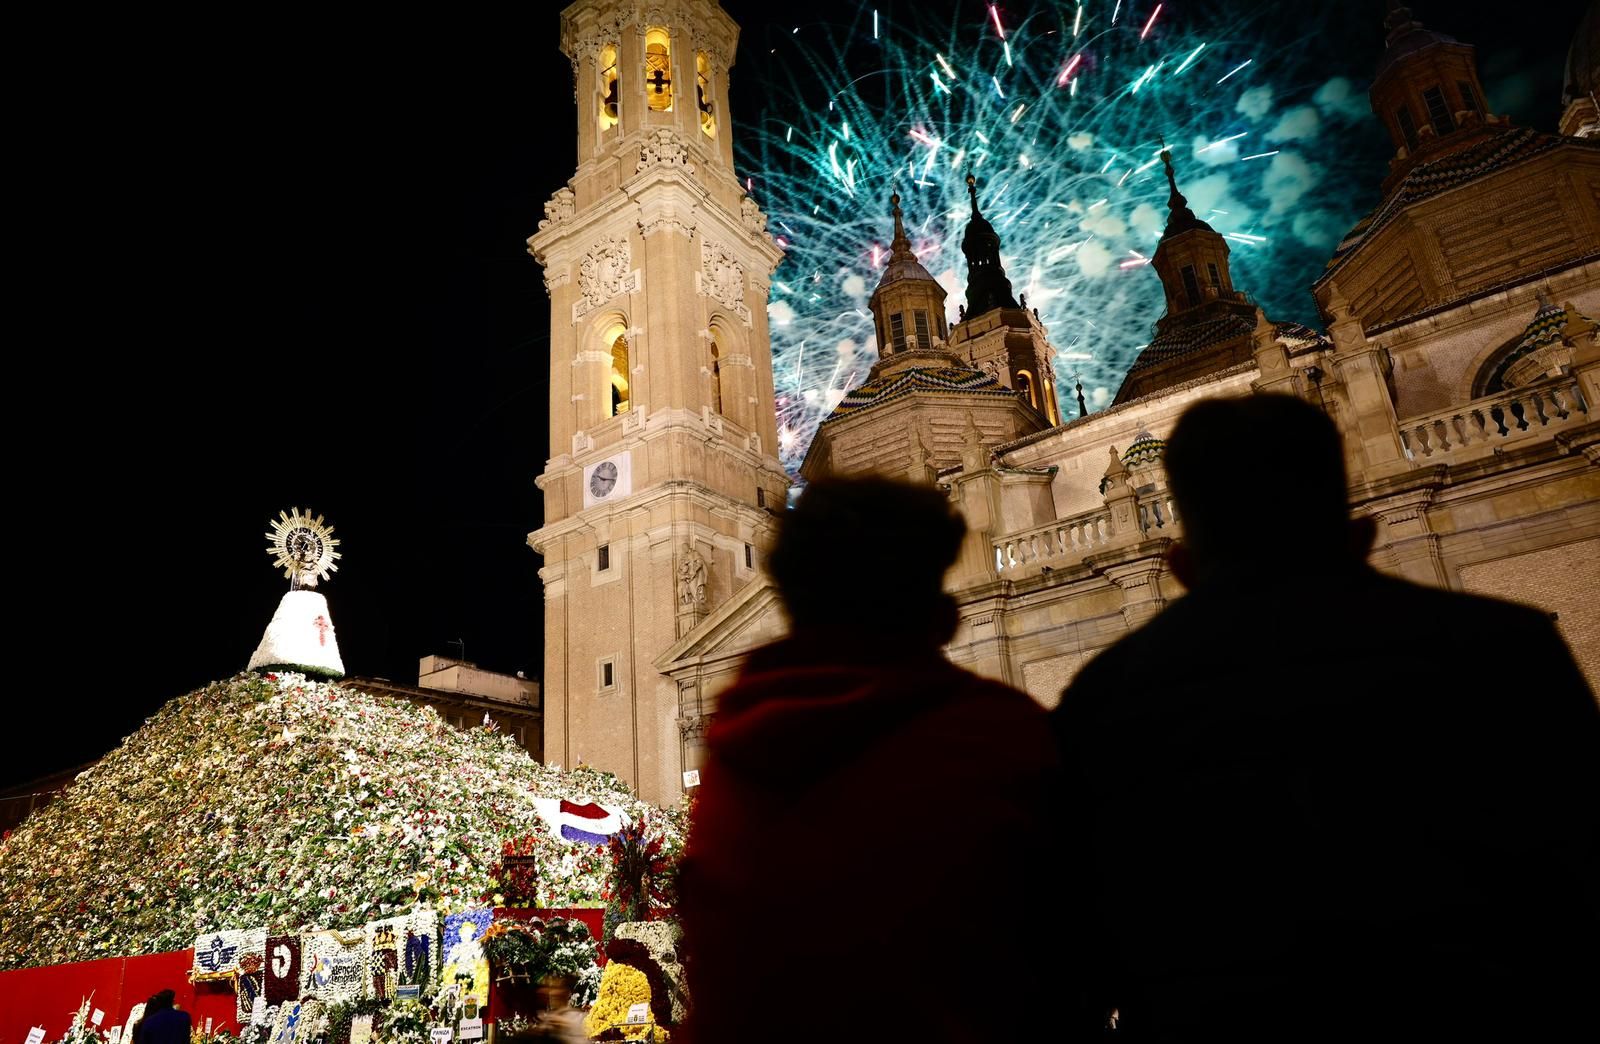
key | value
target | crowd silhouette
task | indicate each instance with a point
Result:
(1306, 801)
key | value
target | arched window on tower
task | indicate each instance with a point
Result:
(658, 70)
(703, 94)
(610, 103)
(1025, 386)
(618, 338)
(716, 372)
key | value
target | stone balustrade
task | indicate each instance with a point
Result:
(1494, 420)
(1060, 543)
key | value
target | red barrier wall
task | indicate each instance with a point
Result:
(50, 996)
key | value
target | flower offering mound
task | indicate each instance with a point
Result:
(278, 801)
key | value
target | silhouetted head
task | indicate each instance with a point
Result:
(865, 558)
(1260, 485)
(162, 1000)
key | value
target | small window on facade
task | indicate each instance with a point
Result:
(1025, 386)
(603, 558)
(897, 331)
(716, 374)
(703, 94)
(1191, 285)
(1216, 278)
(608, 674)
(923, 338)
(658, 70)
(749, 557)
(1469, 97)
(1438, 111)
(761, 497)
(609, 110)
(619, 372)
(1408, 127)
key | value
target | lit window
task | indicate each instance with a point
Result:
(609, 102)
(716, 374)
(1025, 386)
(703, 94)
(1438, 111)
(658, 70)
(619, 370)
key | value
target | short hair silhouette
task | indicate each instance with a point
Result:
(1257, 476)
(857, 553)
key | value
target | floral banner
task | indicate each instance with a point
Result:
(401, 951)
(282, 969)
(217, 954)
(333, 965)
(466, 968)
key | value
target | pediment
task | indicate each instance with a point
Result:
(751, 618)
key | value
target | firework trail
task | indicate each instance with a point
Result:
(1060, 110)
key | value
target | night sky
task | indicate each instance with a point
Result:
(281, 262)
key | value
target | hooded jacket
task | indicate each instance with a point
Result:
(868, 851)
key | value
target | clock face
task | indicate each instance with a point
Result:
(603, 480)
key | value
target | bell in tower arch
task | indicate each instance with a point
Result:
(658, 70)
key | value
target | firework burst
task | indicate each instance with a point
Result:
(1061, 113)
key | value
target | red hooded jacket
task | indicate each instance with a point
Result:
(869, 848)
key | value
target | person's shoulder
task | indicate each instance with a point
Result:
(1458, 608)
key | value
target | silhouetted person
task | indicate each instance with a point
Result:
(1329, 804)
(163, 1023)
(869, 858)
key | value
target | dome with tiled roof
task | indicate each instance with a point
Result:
(1406, 36)
(1503, 149)
(1538, 351)
(1145, 449)
(942, 379)
(1195, 336)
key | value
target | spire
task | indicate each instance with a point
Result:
(900, 249)
(987, 285)
(1398, 21)
(1179, 217)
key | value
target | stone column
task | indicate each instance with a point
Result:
(1407, 540)
(977, 496)
(1272, 361)
(1370, 427)
(1581, 334)
(1139, 581)
(1122, 503)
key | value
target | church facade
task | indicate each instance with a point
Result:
(1459, 361)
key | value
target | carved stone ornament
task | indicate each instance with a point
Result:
(722, 277)
(754, 220)
(561, 206)
(693, 726)
(603, 274)
(664, 148)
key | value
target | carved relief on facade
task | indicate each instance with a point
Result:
(603, 274)
(721, 278)
(754, 220)
(664, 148)
(560, 207)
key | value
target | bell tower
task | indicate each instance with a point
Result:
(663, 477)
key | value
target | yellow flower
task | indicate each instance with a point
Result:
(621, 987)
